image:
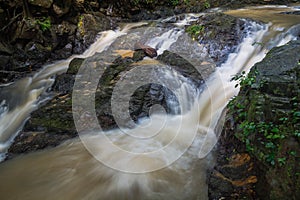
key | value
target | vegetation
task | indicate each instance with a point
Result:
(80, 25)
(174, 2)
(44, 23)
(206, 4)
(195, 30)
(262, 136)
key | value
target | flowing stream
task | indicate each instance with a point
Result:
(167, 156)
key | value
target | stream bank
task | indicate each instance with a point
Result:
(258, 152)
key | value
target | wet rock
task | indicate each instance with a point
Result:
(236, 173)
(71, 25)
(149, 51)
(35, 141)
(7, 76)
(18, 60)
(87, 29)
(62, 7)
(138, 55)
(65, 52)
(159, 12)
(65, 28)
(74, 66)
(55, 118)
(26, 29)
(263, 121)
(41, 3)
(292, 13)
(176, 61)
(219, 33)
(4, 61)
(37, 51)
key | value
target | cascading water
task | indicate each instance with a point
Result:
(19, 99)
(71, 172)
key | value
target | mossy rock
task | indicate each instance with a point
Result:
(267, 119)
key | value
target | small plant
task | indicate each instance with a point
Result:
(206, 4)
(187, 2)
(175, 2)
(297, 133)
(80, 25)
(44, 23)
(244, 80)
(281, 161)
(195, 30)
(270, 158)
(264, 137)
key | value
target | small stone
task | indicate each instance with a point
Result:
(149, 51)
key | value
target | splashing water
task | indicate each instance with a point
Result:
(72, 171)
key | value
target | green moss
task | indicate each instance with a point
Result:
(195, 30)
(54, 123)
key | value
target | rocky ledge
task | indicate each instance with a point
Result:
(259, 150)
(53, 122)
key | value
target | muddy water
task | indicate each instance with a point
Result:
(73, 170)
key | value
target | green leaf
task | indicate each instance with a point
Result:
(275, 130)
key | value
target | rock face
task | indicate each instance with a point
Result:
(53, 122)
(50, 30)
(219, 33)
(264, 121)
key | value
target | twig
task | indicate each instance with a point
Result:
(11, 21)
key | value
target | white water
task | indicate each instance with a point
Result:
(70, 172)
(24, 96)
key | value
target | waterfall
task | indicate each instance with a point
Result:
(163, 157)
(21, 98)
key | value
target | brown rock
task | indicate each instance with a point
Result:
(149, 51)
